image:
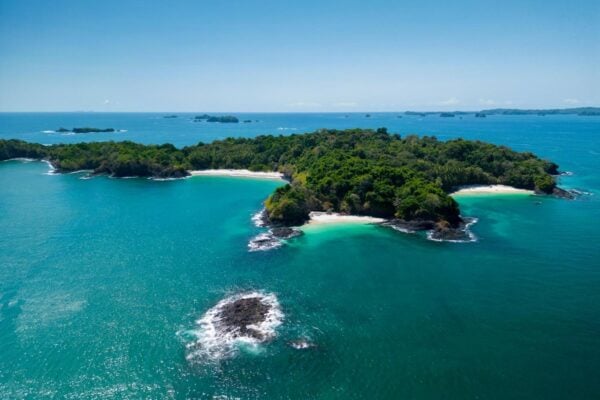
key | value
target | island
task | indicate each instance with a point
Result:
(225, 119)
(406, 180)
(447, 115)
(581, 111)
(170, 116)
(85, 130)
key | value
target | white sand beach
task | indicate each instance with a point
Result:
(243, 173)
(335, 218)
(489, 189)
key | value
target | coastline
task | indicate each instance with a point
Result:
(489, 189)
(320, 218)
(241, 173)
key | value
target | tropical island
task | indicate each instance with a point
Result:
(581, 111)
(224, 119)
(85, 130)
(357, 171)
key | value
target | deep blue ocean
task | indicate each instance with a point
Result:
(102, 281)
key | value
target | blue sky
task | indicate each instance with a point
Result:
(307, 56)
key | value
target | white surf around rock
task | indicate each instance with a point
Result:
(244, 319)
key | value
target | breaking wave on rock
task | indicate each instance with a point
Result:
(263, 242)
(244, 319)
(260, 218)
(272, 239)
(462, 234)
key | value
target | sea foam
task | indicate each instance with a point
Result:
(214, 340)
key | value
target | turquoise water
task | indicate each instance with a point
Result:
(102, 280)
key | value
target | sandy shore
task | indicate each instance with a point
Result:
(244, 173)
(334, 218)
(490, 189)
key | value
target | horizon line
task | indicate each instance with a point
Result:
(298, 112)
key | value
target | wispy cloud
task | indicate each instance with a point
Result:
(571, 101)
(106, 102)
(345, 104)
(305, 104)
(487, 102)
(452, 101)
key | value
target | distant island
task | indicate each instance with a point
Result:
(170, 116)
(85, 130)
(358, 171)
(581, 111)
(225, 119)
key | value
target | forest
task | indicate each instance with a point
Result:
(356, 171)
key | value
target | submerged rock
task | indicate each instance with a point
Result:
(564, 194)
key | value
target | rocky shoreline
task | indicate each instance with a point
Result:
(437, 231)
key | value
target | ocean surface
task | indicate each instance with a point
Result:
(102, 281)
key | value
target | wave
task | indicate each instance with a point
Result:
(283, 128)
(400, 229)
(168, 179)
(223, 328)
(21, 159)
(51, 168)
(470, 236)
(263, 242)
(48, 131)
(259, 218)
(579, 192)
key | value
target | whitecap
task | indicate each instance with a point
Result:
(48, 131)
(168, 179)
(21, 159)
(283, 128)
(259, 218)
(51, 168)
(263, 242)
(213, 340)
(400, 229)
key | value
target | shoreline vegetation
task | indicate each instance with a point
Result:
(372, 173)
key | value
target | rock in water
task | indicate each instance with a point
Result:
(240, 316)
(285, 232)
(249, 318)
(443, 232)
